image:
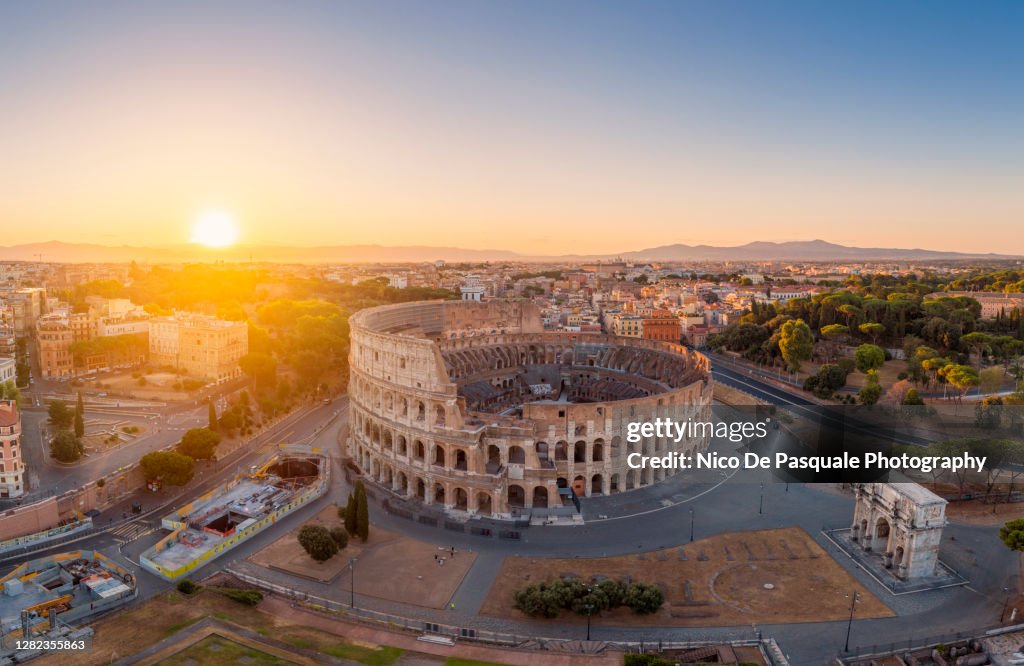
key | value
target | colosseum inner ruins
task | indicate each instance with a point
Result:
(474, 406)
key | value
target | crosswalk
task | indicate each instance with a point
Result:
(130, 532)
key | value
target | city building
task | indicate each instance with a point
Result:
(55, 334)
(472, 289)
(992, 303)
(8, 369)
(12, 469)
(663, 326)
(199, 345)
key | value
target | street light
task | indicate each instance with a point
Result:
(691, 524)
(760, 506)
(352, 582)
(590, 609)
(849, 625)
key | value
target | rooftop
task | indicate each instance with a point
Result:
(8, 413)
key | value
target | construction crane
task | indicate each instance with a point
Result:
(51, 608)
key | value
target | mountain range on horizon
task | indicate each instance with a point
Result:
(815, 250)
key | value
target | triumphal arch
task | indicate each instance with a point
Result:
(902, 523)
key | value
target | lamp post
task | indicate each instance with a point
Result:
(691, 524)
(760, 506)
(590, 609)
(849, 625)
(352, 582)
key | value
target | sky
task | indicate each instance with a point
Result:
(538, 127)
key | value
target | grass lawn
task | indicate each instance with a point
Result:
(455, 661)
(382, 656)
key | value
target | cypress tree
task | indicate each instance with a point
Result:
(362, 512)
(350, 514)
(79, 417)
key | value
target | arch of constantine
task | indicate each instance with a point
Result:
(902, 523)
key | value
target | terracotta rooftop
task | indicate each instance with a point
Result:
(8, 413)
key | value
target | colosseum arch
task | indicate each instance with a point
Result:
(540, 405)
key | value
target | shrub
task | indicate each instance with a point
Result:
(546, 599)
(247, 597)
(317, 542)
(187, 587)
(644, 598)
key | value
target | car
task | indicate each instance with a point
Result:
(327, 401)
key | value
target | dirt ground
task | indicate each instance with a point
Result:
(976, 512)
(158, 386)
(389, 566)
(777, 576)
(287, 555)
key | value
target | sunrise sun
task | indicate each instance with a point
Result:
(215, 228)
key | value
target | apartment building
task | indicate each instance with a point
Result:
(199, 345)
(12, 470)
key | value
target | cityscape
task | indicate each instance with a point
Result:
(479, 334)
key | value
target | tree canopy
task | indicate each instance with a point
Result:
(199, 443)
(173, 469)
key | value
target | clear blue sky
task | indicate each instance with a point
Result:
(521, 125)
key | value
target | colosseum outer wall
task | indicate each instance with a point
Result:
(413, 431)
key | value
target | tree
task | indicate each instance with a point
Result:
(834, 334)
(1012, 534)
(60, 416)
(988, 414)
(362, 512)
(261, 367)
(65, 447)
(990, 379)
(913, 399)
(872, 390)
(199, 443)
(796, 343)
(977, 343)
(10, 391)
(173, 469)
(340, 537)
(317, 542)
(350, 514)
(79, 417)
(962, 377)
(869, 357)
(872, 330)
(212, 416)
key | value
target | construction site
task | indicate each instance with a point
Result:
(230, 514)
(42, 598)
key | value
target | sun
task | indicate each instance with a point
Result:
(215, 228)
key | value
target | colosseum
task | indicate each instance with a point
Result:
(475, 407)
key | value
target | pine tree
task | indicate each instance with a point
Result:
(362, 512)
(350, 514)
(213, 415)
(79, 417)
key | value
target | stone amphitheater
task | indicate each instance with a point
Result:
(475, 407)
